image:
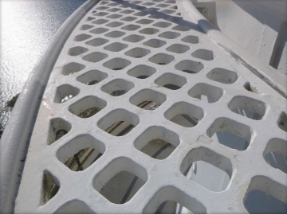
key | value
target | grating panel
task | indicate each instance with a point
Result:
(141, 102)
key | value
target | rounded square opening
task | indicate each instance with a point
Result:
(65, 93)
(81, 152)
(117, 64)
(188, 66)
(117, 87)
(275, 154)
(142, 71)
(171, 81)
(161, 59)
(157, 142)
(92, 77)
(72, 68)
(137, 52)
(95, 57)
(222, 75)
(120, 180)
(148, 99)
(119, 122)
(87, 106)
(230, 133)
(265, 196)
(248, 107)
(200, 162)
(184, 114)
(154, 43)
(206, 93)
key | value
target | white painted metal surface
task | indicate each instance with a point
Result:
(219, 120)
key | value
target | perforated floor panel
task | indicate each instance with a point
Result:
(143, 110)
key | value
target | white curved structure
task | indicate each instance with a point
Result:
(145, 112)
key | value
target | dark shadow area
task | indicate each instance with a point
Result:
(156, 14)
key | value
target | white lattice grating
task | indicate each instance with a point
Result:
(139, 97)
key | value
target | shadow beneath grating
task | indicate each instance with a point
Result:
(156, 14)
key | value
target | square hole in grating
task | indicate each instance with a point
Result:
(74, 206)
(95, 57)
(115, 24)
(174, 19)
(65, 92)
(86, 27)
(144, 21)
(102, 8)
(178, 48)
(119, 122)
(100, 21)
(57, 129)
(128, 19)
(120, 180)
(251, 88)
(142, 71)
(169, 35)
(171, 81)
(181, 28)
(87, 106)
(116, 47)
(50, 187)
(131, 27)
(168, 11)
(148, 99)
(92, 77)
(275, 154)
(81, 152)
(117, 64)
(117, 87)
(140, 14)
(248, 107)
(162, 24)
(189, 66)
(190, 39)
(155, 43)
(149, 31)
(82, 37)
(157, 142)
(90, 19)
(137, 52)
(76, 51)
(282, 121)
(206, 93)
(113, 4)
(114, 16)
(222, 75)
(72, 68)
(202, 161)
(203, 54)
(265, 196)
(100, 14)
(230, 133)
(127, 11)
(133, 38)
(162, 5)
(97, 42)
(115, 34)
(161, 59)
(169, 199)
(99, 30)
(114, 10)
(184, 114)
(148, 4)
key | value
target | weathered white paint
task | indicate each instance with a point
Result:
(210, 91)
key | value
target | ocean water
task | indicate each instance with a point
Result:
(26, 28)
